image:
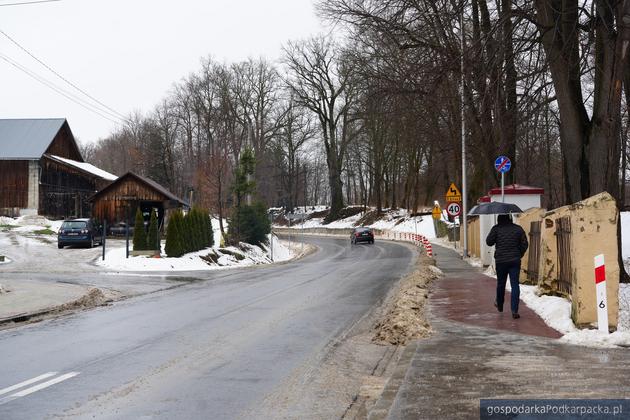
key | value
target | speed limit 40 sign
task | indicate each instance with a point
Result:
(454, 209)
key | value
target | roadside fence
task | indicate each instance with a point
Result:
(390, 235)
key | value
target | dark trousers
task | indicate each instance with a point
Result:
(512, 269)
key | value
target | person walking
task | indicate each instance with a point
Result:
(510, 243)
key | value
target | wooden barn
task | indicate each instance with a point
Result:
(42, 170)
(119, 200)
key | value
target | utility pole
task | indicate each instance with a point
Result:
(464, 224)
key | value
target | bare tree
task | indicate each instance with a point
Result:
(321, 82)
(297, 129)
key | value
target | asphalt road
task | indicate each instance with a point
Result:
(210, 349)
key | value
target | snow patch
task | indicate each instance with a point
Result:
(398, 220)
(214, 258)
(88, 168)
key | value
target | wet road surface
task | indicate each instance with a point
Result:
(210, 349)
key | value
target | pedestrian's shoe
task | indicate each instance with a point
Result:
(515, 315)
(499, 308)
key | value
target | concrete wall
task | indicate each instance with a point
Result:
(593, 224)
(594, 232)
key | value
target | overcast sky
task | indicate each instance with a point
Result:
(128, 53)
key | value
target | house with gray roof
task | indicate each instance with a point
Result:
(42, 170)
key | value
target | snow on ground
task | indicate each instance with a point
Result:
(346, 223)
(394, 220)
(309, 209)
(224, 257)
(281, 250)
(556, 312)
(9, 221)
(115, 257)
(217, 231)
(27, 224)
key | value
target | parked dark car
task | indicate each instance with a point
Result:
(120, 229)
(362, 234)
(84, 232)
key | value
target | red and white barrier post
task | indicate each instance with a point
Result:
(600, 292)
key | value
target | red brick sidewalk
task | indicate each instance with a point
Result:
(468, 297)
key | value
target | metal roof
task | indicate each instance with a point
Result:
(27, 139)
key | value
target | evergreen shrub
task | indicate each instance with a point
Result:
(174, 246)
(250, 224)
(139, 233)
(154, 235)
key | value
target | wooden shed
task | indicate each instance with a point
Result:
(119, 200)
(42, 170)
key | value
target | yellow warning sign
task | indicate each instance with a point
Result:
(437, 212)
(453, 194)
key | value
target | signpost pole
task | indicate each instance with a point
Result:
(271, 236)
(103, 237)
(302, 250)
(127, 233)
(437, 215)
(502, 164)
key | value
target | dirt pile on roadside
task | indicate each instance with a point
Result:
(94, 297)
(405, 315)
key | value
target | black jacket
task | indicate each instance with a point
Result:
(510, 242)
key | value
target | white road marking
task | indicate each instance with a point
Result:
(37, 387)
(45, 384)
(27, 382)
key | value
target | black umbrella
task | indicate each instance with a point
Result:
(494, 207)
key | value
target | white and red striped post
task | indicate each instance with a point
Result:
(600, 292)
(427, 246)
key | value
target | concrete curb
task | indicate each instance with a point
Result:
(25, 316)
(381, 409)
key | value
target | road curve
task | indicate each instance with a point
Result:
(211, 349)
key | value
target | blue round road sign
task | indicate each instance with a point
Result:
(502, 164)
